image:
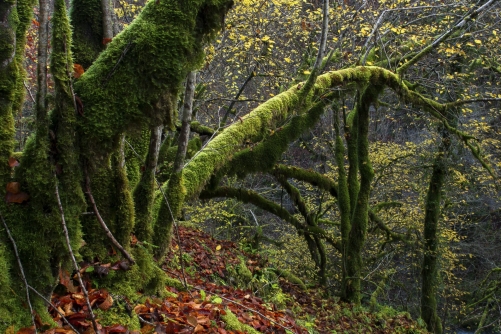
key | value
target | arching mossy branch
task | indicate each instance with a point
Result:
(309, 176)
(254, 126)
(249, 196)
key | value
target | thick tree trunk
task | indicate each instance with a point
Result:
(42, 118)
(8, 75)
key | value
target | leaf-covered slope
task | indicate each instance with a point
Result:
(229, 291)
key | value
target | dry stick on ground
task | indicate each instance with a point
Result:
(102, 223)
(75, 264)
(54, 307)
(21, 270)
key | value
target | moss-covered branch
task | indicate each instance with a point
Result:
(153, 56)
(259, 122)
(249, 196)
(315, 179)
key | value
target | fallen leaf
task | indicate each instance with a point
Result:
(218, 247)
(116, 329)
(108, 302)
(192, 320)
(14, 187)
(26, 330)
(78, 70)
(13, 162)
(16, 198)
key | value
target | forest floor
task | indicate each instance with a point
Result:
(213, 270)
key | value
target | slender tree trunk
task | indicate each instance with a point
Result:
(107, 22)
(430, 271)
(430, 277)
(184, 135)
(174, 192)
(343, 196)
(144, 194)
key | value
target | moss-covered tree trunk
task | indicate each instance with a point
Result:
(343, 195)
(430, 260)
(14, 20)
(429, 274)
(360, 216)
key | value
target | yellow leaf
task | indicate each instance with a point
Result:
(306, 72)
(218, 247)
(477, 41)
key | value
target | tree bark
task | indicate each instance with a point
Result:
(358, 232)
(8, 75)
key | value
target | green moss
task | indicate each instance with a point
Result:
(175, 283)
(118, 314)
(111, 192)
(136, 149)
(87, 21)
(9, 73)
(232, 323)
(169, 210)
(240, 274)
(291, 278)
(153, 55)
(145, 276)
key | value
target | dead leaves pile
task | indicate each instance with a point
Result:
(203, 307)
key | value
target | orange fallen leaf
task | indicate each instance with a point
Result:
(13, 162)
(26, 330)
(16, 198)
(14, 187)
(108, 302)
(78, 70)
(198, 329)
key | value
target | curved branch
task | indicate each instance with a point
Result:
(253, 127)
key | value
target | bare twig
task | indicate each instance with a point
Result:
(240, 91)
(54, 307)
(466, 18)
(75, 264)
(21, 270)
(380, 21)
(102, 223)
(29, 91)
